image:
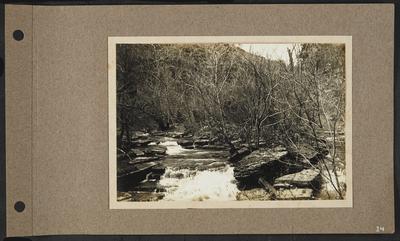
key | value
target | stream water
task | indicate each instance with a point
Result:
(202, 175)
(196, 175)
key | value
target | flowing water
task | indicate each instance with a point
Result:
(200, 175)
(196, 175)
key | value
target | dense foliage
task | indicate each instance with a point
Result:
(231, 92)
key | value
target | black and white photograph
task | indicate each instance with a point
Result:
(230, 121)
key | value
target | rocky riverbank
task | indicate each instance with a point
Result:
(266, 173)
(282, 174)
(140, 160)
(270, 173)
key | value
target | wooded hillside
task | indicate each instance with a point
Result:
(230, 92)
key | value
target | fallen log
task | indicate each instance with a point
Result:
(268, 187)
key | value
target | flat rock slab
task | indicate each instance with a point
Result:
(159, 169)
(295, 194)
(144, 159)
(308, 152)
(256, 194)
(142, 142)
(135, 168)
(137, 152)
(216, 165)
(201, 142)
(149, 186)
(154, 150)
(146, 196)
(240, 154)
(253, 164)
(139, 134)
(175, 134)
(305, 178)
(123, 196)
(213, 147)
(185, 143)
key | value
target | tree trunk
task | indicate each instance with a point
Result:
(258, 136)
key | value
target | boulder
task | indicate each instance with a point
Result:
(310, 178)
(137, 153)
(131, 175)
(266, 163)
(239, 154)
(185, 143)
(156, 150)
(295, 194)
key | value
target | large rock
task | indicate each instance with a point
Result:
(308, 154)
(123, 196)
(131, 175)
(295, 194)
(159, 169)
(175, 134)
(256, 194)
(146, 196)
(185, 143)
(141, 142)
(266, 163)
(201, 142)
(136, 152)
(139, 134)
(239, 154)
(310, 178)
(156, 150)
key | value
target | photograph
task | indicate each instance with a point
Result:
(228, 121)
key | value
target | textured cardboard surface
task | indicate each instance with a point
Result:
(57, 123)
(18, 89)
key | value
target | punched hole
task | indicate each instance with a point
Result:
(19, 206)
(18, 35)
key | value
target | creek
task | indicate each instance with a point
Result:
(196, 174)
